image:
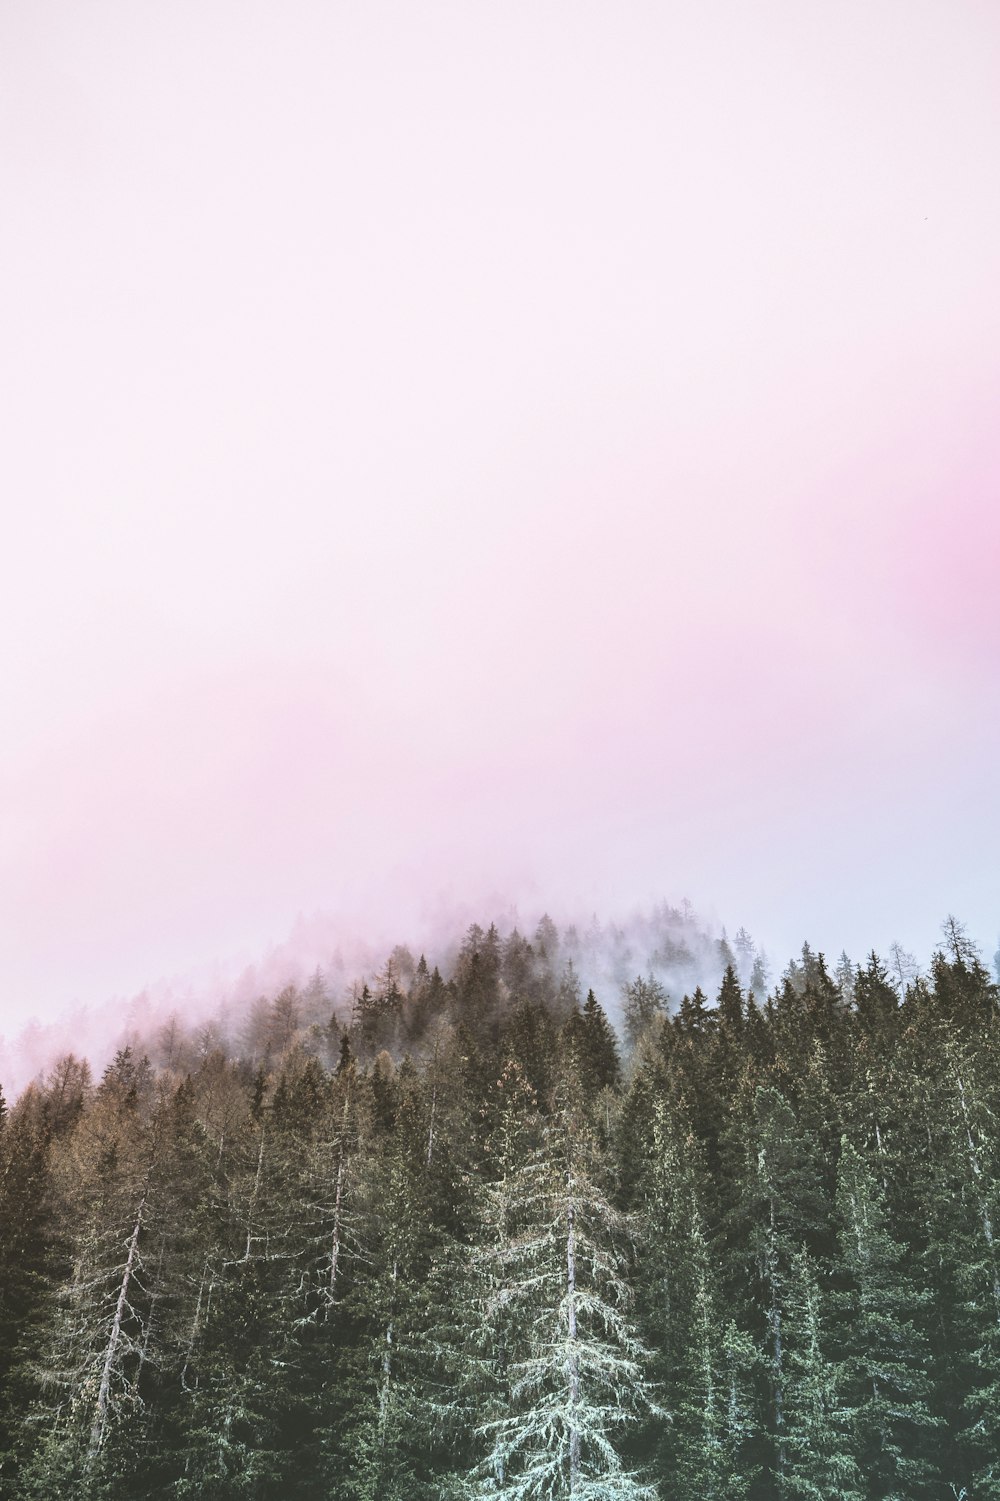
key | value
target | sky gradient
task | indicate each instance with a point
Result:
(545, 452)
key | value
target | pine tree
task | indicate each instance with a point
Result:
(844, 977)
(759, 975)
(27, 1261)
(232, 1430)
(883, 1351)
(643, 1002)
(728, 1057)
(566, 1366)
(818, 1462)
(704, 1365)
(126, 1178)
(377, 1426)
(779, 1205)
(592, 1046)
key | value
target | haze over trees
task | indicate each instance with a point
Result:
(470, 1228)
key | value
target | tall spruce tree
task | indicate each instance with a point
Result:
(817, 1456)
(704, 1365)
(562, 1365)
(882, 1349)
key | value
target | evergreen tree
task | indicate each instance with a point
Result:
(881, 1346)
(780, 1205)
(643, 1002)
(817, 1459)
(745, 950)
(759, 975)
(704, 1365)
(27, 1260)
(767, 1270)
(553, 1310)
(128, 1175)
(592, 1046)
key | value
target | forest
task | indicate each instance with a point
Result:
(477, 1229)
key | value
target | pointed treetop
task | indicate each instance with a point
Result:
(730, 1006)
(957, 944)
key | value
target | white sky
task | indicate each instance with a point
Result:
(537, 448)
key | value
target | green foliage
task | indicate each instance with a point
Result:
(884, 1354)
(445, 1244)
(643, 1002)
(559, 1365)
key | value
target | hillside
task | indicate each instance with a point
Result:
(471, 1240)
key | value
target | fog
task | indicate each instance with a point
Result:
(458, 457)
(326, 962)
(321, 966)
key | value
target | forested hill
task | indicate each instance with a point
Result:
(467, 1239)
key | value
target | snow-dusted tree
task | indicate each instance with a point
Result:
(563, 1369)
(125, 1183)
(955, 1186)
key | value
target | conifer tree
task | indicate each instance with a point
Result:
(567, 1371)
(817, 1462)
(27, 1261)
(880, 1344)
(232, 1440)
(643, 1002)
(380, 1418)
(130, 1173)
(704, 1365)
(780, 1205)
(591, 1043)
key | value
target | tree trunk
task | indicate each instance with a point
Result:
(984, 1208)
(383, 1400)
(114, 1339)
(196, 1323)
(338, 1197)
(574, 1356)
(252, 1210)
(774, 1319)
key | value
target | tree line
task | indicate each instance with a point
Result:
(463, 1238)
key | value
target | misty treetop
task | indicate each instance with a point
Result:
(600, 1214)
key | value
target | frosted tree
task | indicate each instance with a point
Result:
(563, 1369)
(125, 1183)
(903, 967)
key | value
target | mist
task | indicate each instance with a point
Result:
(454, 461)
(318, 970)
(326, 960)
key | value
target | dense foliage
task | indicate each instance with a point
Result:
(463, 1239)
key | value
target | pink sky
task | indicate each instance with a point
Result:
(451, 448)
